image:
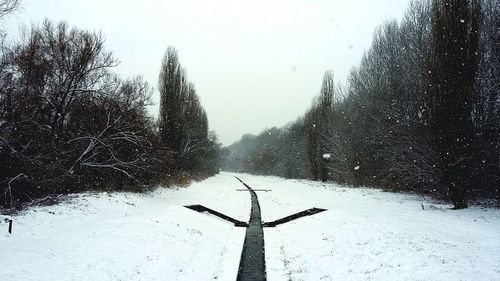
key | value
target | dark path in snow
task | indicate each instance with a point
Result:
(252, 263)
(203, 209)
(308, 212)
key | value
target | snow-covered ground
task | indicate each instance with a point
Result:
(366, 234)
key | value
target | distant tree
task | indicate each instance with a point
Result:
(171, 85)
(293, 151)
(210, 157)
(453, 66)
(183, 123)
(420, 112)
(194, 129)
(313, 143)
(318, 122)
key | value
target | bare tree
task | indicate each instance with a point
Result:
(66, 120)
(8, 6)
(117, 139)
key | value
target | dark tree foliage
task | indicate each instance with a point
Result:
(259, 153)
(271, 153)
(318, 122)
(453, 68)
(420, 113)
(183, 122)
(172, 86)
(486, 110)
(68, 124)
(66, 120)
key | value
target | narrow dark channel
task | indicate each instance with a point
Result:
(253, 264)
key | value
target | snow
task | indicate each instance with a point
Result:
(366, 234)
(126, 236)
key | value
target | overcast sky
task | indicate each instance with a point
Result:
(255, 63)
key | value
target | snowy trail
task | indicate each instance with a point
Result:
(253, 265)
(366, 234)
(126, 236)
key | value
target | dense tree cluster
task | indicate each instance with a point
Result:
(68, 124)
(421, 112)
(183, 122)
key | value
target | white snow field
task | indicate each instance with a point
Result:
(366, 234)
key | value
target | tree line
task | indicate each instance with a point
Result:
(420, 113)
(69, 124)
(182, 121)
